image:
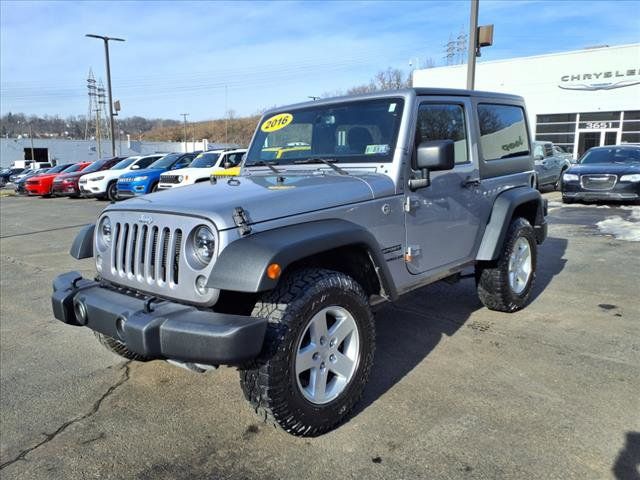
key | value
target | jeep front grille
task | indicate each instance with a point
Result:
(169, 179)
(149, 253)
(152, 253)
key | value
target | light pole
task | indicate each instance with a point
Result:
(478, 37)
(106, 53)
(473, 45)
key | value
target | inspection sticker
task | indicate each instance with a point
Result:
(376, 149)
(276, 122)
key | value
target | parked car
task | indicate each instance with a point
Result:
(202, 167)
(102, 184)
(20, 184)
(42, 184)
(560, 152)
(548, 165)
(276, 271)
(604, 173)
(6, 173)
(141, 182)
(67, 184)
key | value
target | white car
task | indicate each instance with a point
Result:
(102, 184)
(201, 168)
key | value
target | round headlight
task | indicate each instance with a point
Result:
(105, 231)
(180, 178)
(204, 243)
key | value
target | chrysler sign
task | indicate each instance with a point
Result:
(604, 80)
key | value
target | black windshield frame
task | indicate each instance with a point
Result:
(324, 131)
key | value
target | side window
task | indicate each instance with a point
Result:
(145, 162)
(443, 122)
(234, 158)
(503, 131)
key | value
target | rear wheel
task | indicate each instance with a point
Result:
(506, 284)
(112, 191)
(558, 185)
(318, 352)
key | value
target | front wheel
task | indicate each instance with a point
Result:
(318, 352)
(112, 191)
(506, 284)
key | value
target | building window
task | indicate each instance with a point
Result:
(631, 127)
(503, 131)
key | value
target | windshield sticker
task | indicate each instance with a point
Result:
(276, 122)
(376, 149)
(392, 107)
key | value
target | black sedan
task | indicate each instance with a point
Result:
(604, 173)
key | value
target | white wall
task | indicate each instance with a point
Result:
(538, 79)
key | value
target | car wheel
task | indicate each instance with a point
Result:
(154, 187)
(558, 185)
(318, 352)
(119, 348)
(112, 191)
(506, 284)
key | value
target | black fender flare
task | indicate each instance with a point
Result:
(242, 265)
(82, 246)
(502, 212)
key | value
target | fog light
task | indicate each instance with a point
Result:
(81, 312)
(201, 285)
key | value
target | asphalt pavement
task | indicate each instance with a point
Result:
(457, 391)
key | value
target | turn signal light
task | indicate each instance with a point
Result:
(274, 271)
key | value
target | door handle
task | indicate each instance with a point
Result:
(471, 182)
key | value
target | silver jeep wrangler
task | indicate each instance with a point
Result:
(341, 204)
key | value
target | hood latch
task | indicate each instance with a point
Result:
(241, 221)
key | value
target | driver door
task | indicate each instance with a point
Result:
(441, 220)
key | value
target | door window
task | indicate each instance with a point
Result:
(443, 122)
(503, 131)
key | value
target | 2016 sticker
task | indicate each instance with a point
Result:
(276, 122)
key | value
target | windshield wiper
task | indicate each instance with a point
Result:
(262, 163)
(327, 161)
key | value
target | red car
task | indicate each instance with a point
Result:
(42, 184)
(67, 182)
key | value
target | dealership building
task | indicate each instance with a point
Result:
(577, 99)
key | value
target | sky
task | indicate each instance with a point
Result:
(205, 58)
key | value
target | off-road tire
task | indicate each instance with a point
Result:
(112, 191)
(492, 278)
(270, 384)
(119, 348)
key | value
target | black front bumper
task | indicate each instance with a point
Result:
(622, 191)
(160, 329)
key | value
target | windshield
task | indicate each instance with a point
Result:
(166, 161)
(59, 168)
(203, 160)
(97, 165)
(124, 163)
(611, 155)
(355, 132)
(73, 168)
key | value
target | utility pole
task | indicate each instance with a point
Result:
(31, 138)
(106, 53)
(184, 116)
(473, 45)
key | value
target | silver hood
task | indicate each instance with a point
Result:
(263, 197)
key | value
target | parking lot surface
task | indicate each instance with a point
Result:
(457, 391)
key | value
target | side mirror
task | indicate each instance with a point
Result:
(436, 155)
